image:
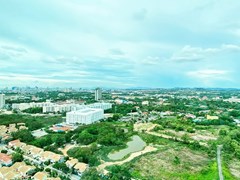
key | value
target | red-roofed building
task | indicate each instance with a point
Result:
(14, 143)
(5, 159)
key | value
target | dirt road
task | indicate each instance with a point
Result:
(147, 149)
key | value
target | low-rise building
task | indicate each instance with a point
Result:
(71, 163)
(50, 156)
(18, 170)
(80, 168)
(212, 117)
(14, 143)
(40, 176)
(103, 106)
(5, 160)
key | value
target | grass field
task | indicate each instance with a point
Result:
(176, 163)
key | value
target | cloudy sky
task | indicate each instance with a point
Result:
(124, 43)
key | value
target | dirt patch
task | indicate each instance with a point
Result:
(234, 168)
(169, 163)
(147, 149)
(144, 126)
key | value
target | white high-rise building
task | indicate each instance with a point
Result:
(84, 116)
(2, 100)
(98, 94)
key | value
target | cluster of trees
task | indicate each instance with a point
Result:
(230, 139)
(122, 109)
(23, 135)
(32, 123)
(102, 133)
(17, 157)
(223, 120)
(115, 173)
(62, 167)
(114, 118)
(52, 141)
(58, 139)
(101, 137)
(176, 124)
(34, 110)
(85, 154)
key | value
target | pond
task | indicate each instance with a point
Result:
(136, 144)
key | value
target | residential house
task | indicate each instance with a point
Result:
(40, 176)
(80, 168)
(8, 173)
(14, 143)
(53, 157)
(212, 117)
(25, 170)
(71, 163)
(5, 160)
(16, 171)
(35, 152)
(22, 169)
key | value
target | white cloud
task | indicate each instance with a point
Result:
(90, 42)
(208, 77)
(194, 54)
(208, 73)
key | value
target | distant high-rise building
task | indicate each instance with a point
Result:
(98, 94)
(2, 100)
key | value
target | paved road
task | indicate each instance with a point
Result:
(220, 174)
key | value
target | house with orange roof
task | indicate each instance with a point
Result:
(5, 160)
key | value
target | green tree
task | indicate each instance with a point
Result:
(62, 166)
(176, 160)
(91, 174)
(17, 157)
(23, 135)
(119, 173)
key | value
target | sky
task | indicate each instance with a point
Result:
(120, 44)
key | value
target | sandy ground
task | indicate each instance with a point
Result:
(66, 148)
(234, 168)
(147, 127)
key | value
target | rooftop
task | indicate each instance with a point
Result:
(5, 158)
(85, 111)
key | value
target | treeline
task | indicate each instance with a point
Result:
(34, 110)
(230, 139)
(122, 109)
(31, 122)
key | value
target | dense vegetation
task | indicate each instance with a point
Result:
(104, 134)
(103, 137)
(34, 110)
(32, 122)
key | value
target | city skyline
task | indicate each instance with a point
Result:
(119, 44)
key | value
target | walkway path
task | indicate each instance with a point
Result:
(219, 148)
